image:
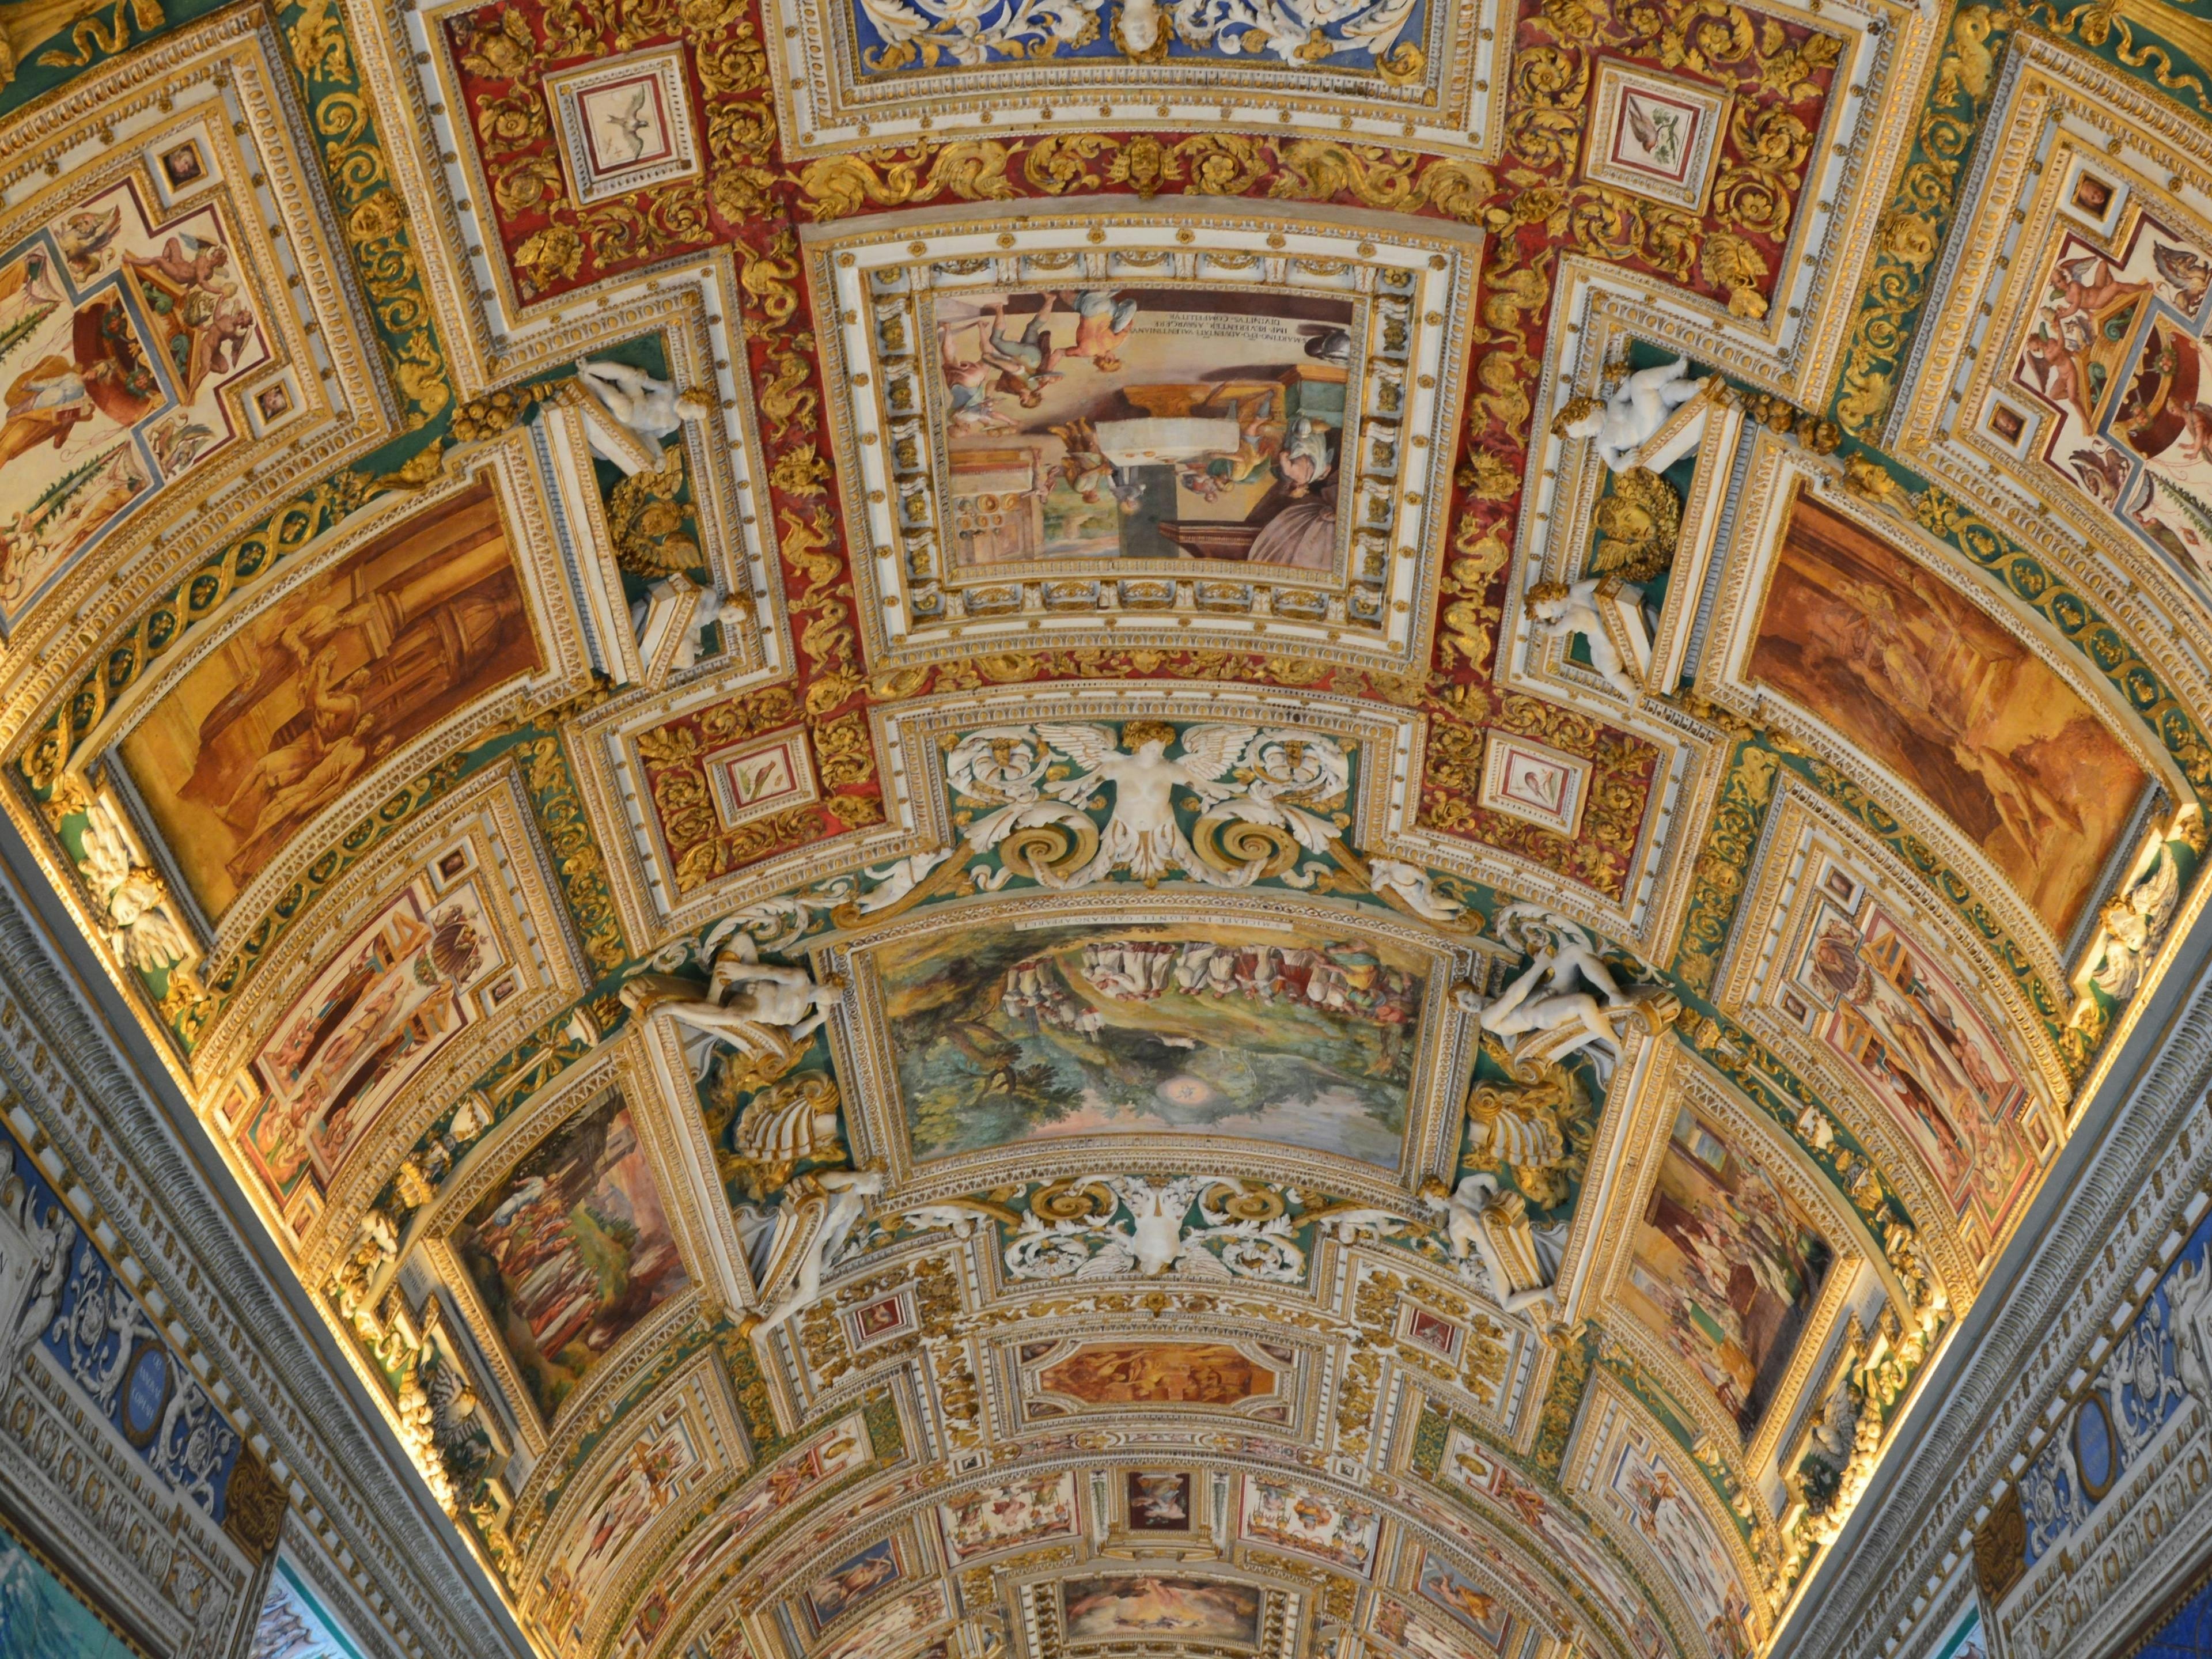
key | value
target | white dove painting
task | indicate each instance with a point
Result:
(1289, 1035)
(623, 122)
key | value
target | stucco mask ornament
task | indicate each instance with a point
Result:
(763, 1010)
(1608, 613)
(1566, 998)
(648, 410)
(1247, 1226)
(1263, 794)
(1623, 422)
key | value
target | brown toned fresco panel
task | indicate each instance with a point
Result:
(1901, 665)
(303, 702)
(1158, 1374)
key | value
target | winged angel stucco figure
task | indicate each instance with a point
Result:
(1300, 33)
(1263, 794)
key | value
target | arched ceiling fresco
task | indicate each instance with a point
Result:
(1237, 828)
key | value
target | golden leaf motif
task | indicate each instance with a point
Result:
(649, 524)
(840, 186)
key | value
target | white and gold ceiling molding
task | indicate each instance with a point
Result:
(1235, 827)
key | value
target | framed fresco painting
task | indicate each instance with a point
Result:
(1899, 1022)
(1147, 1606)
(394, 996)
(1897, 662)
(565, 1254)
(120, 331)
(1242, 1020)
(988, 1519)
(306, 699)
(1724, 1265)
(1211, 436)
(1159, 1513)
(1728, 1267)
(45, 1614)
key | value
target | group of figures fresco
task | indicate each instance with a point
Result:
(386, 1005)
(120, 337)
(1292, 1035)
(303, 701)
(1155, 1604)
(1147, 424)
(1158, 1374)
(1906, 1031)
(994, 1518)
(2118, 359)
(572, 1250)
(663, 1463)
(829, 1454)
(1473, 1468)
(1725, 1265)
(1644, 1494)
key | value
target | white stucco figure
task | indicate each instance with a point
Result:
(1608, 613)
(2189, 1312)
(143, 931)
(676, 602)
(2135, 923)
(1623, 423)
(848, 1191)
(48, 1246)
(895, 880)
(763, 1010)
(1560, 989)
(1412, 885)
(649, 410)
(1492, 1224)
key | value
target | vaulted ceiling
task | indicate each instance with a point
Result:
(1245, 827)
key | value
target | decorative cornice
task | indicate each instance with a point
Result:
(221, 1298)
